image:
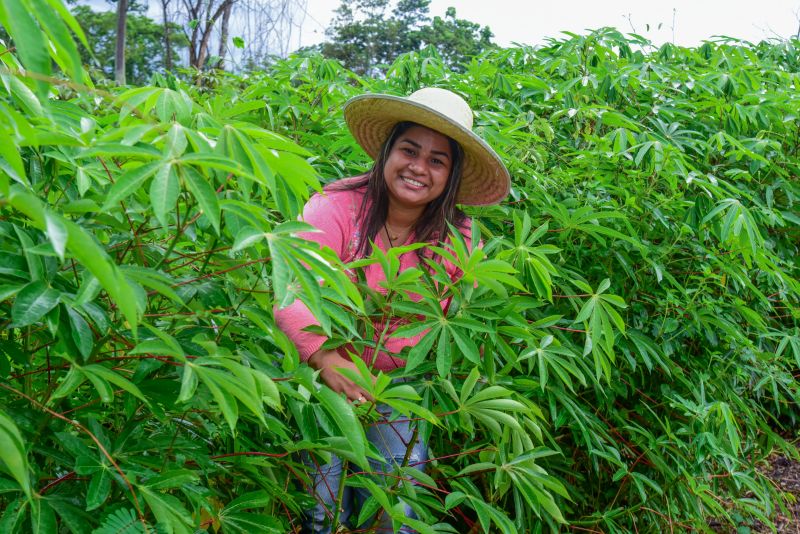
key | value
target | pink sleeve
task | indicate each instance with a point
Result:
(329, 214)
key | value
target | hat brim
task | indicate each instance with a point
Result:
(484, 178)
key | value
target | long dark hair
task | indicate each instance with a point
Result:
(431, 227)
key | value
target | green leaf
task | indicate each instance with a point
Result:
(30, 41)
(33, 302)
(81, 333)
(164, 191)
(205, 195)
(173, 478)
(43, 519)
(421, 350)
(130, 182)
(169, 511)
(121, 521)
(342, 413)
(71, 381)
(14, 460)
(74, 519)
(96, 370)
(57, 233)
(10, 163)
(63, 49)
(99, 490)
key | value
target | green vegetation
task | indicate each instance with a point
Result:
(145, 43)
(625, 362)
(365, 39)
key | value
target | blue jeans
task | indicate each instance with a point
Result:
(392, 440)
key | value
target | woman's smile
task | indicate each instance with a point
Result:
(417, 168)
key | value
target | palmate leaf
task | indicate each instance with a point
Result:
(738, 228)
(226, 388)
(172, 516)
(299, 261)
(531, 259)
(86, 251)
(601, 319)
(121, 521)
(235, 518)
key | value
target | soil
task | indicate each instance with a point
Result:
(785, 472)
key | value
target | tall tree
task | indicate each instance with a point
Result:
(145, 52)
(202, 17)
(119, 54)
(364, 36)
(456, 39)
(167, 39)
(264, 27)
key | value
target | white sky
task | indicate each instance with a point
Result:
(532, 21)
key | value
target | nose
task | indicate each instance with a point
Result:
(416, 166)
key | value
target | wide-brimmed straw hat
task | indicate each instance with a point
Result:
(484, 178)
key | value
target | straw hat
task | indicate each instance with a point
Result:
(484, 178)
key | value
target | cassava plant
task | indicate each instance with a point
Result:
(621, 354)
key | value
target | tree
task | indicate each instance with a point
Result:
(145, 52)
(363, 36)
(119, 49)
(167, 45)
(261, 28)
(456, 39)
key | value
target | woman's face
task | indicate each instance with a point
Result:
(417, 168)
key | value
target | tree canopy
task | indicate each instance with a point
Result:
(366, 37)
(144, 44)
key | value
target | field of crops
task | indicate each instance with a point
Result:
(620, 356)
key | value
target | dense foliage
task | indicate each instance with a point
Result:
(144, 53)
(365, 38)
(625, 361)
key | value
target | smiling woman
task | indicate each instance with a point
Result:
(426, 161)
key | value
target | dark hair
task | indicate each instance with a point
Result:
(431, 227)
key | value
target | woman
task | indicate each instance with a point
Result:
(427, 160)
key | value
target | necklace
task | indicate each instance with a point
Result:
(391, 239)
(394, 237)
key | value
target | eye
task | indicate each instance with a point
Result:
(408, 151)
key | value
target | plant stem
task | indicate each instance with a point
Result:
(339, 496)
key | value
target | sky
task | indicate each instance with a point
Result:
(684, 22)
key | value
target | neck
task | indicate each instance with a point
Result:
(402, 218)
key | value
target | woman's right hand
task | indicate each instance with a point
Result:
(328, 363)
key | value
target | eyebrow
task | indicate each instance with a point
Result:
(418, 146)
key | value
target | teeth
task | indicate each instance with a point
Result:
(413, 182)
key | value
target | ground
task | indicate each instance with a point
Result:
(785, 472)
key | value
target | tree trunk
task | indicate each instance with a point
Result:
(202, 49)
(167, 43)
(119, 55)
(223, 38)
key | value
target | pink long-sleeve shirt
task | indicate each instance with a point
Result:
(335, 214)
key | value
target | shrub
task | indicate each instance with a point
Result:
(625, 361)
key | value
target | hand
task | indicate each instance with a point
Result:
(328, 362)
